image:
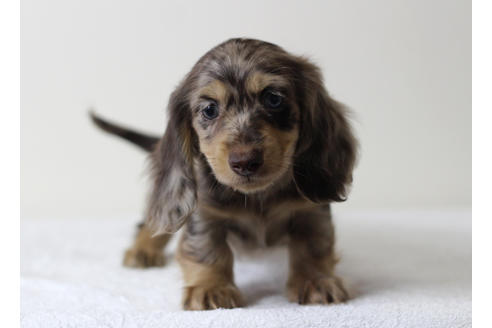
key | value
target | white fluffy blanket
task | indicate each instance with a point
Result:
(404, 269)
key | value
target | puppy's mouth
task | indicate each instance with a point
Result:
(252, 179)
(260, 181)
(251, 184)
(248, 171)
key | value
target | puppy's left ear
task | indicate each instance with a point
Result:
(326, 151)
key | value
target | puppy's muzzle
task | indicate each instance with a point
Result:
(246, 163)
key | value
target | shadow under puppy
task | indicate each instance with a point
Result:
(255, 150)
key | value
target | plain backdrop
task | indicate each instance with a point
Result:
(404, 67)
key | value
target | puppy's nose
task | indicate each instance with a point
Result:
(246, 163)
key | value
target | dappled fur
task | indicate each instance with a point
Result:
(309, 154)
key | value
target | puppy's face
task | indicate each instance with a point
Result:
(246, 120)
(260, 117)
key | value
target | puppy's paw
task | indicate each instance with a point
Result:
(324, 290)
(210, 298)
(143, 258)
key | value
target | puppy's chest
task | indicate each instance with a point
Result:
(256, 226)
(253, 230)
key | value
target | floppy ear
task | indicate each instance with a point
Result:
(173, 196)
(326, 150)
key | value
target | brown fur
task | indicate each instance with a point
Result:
(147, 250)
(308, 155)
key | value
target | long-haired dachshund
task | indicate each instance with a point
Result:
(255, 151)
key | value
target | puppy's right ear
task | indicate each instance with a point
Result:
(173, 196)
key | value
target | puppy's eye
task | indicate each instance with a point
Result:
(272, 100)
(211, 111)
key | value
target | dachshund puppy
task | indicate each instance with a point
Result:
(255, 151)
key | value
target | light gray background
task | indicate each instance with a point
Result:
(404, 67)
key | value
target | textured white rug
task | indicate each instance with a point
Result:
(405, 269)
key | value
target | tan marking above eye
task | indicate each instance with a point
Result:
(214, 90)
(258, 81)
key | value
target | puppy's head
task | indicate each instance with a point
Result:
(257, 115)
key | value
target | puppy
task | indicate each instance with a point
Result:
(254, 149)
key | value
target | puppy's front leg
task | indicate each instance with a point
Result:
(206, 261)
(312, 260)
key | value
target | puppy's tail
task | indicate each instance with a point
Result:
(144, 141)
